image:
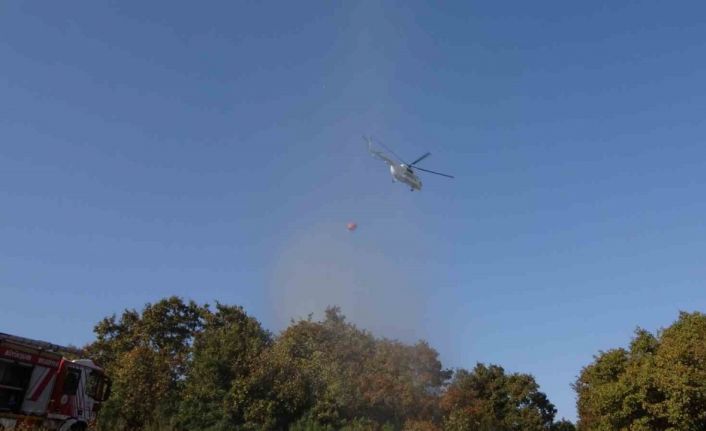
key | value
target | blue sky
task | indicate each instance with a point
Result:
(214, 152)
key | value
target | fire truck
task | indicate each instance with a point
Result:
(40, 387)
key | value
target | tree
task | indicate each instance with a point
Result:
(225, 353)
(488, 399)
(402, 382)
(659, 383)
(314, 368)
(182, 366)
(147, 354)
(563, 425)
(142, 389)
(331, 374)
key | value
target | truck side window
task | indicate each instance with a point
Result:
(15, 375)
(73, 377)
(13, 383)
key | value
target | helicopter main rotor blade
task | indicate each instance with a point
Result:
(378, 154)
(432, 172)
(420, 159)
(392, 152)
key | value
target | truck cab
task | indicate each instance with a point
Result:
(40, 387)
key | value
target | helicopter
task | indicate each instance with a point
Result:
(403, 171)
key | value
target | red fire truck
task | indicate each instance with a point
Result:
(40, 387)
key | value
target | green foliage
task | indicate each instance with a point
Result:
(659, 383)
(351, 375)
(147, 356)
(225, 354)
(307, 424)
(358, 424)
(488, 399)
(180, 366)
(563, 425)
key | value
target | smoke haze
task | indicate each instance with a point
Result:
(327, 265)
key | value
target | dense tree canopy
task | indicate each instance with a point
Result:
(488, 399)
(226, 353)
(183, 366)
(147, 355)
(658, 383)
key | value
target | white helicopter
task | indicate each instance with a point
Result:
(402, 172)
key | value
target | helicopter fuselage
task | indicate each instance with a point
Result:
(404, 174)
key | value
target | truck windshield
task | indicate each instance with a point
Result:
(73, 376)
(96, 386)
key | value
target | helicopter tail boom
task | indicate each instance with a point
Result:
(378, 154)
